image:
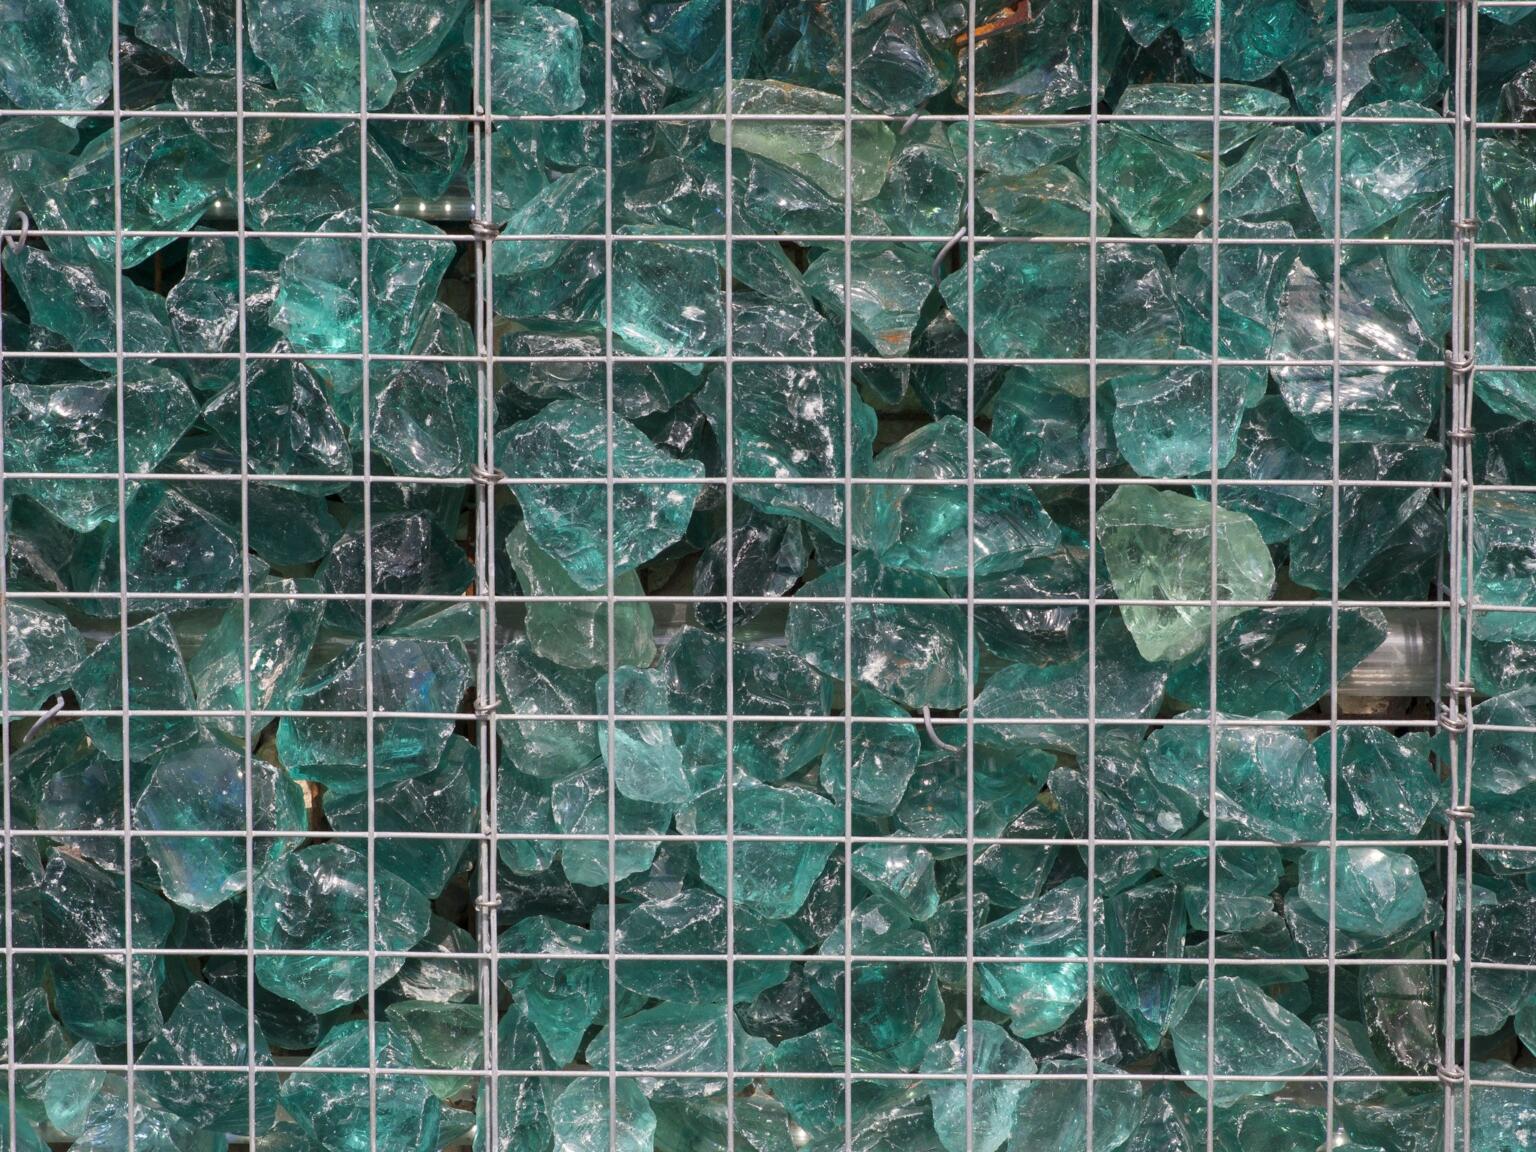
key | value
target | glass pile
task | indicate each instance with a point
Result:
(747, 574)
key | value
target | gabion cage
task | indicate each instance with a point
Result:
(759, 574)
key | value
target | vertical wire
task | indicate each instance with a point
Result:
(730, 603)
(969, 1054)
(1091, 743)
(242, 367)
(1467, 19)
(1448, 698)
(485, 557)
(366, 416)
(122, 559)
(5, 754)
(849, 397)
(1333, 575)
(1213, 736)
(610, 735)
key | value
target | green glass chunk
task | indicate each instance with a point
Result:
(1373, 892)
(772, 878)
(313, 52)
(1268, 784)
(424, 411)
(58, 55)
(1387, 168)
(1038, 998)
(82, 907)
(990, 1115)
(203, 788)
(289, 423)
(1279, 660)
(535, 60)
(1148, 185)
(1157, 545)
(1041, 63)
(282, 635)
(73, 427)
(1255, 1036)
(315, 898)
(934, 529)
(897, 65)
(1051, 200)
(319, 301)
(69, 1097)
(1187, 109)
(1148, 920)
(882, 761)
(1257, 36)
(912, 653)
(1162, 416)
(43, 650)
(582, 1121)
(1375, 404)
(1272, 444)
(157, 679)
(445, 1036)
(306, 171)
(207, 1028)
(642, 755)
(900, 875)
(813, 149)
(152, 1130)
(444, 800)
(580, 805)
(1371, 521)
(569, 439)
(923, 189)
(890, 286)
(409, 676)
(666, 300)
(410, 555)
(78, 301)
(562, 998)
(1501, 565)
(1385, 58)
(338, 1111)
(1387, 786)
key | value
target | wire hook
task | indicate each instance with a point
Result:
(53, 710)
(17, 238)
(934, 735)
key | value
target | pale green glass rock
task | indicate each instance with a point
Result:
(642, 756)
(445, 1036)
(582, 1122)
(569, 439)
(78, 301)
(289, 423)
(897, 65)
(1257, 36)
(1157, 546)
(282, 635)
(317, 897)
(69, 1097)
(1148, 185)
(339, 1111)
(207, 1028)
(1373, 893)
(549, 748)
(1501, 563)
(1387, 786)
(1385, 58)
(1388, 169)
(562, 998)
(1255, 1036)
(203, 788)
(410, 554)
(1162, 416)
(666, 301)
(900, 875)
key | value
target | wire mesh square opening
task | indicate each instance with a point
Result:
(631, 577)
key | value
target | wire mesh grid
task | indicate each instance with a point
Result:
(1455, 954)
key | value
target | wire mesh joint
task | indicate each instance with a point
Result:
(1459, 365)
(1452, 720)
(490, 477)
(1451, 1075)
(485, 707)
(17, 237)
(484, 229)
(53, 709)
(1462, 812)
(487, 903)
(1465, 229)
